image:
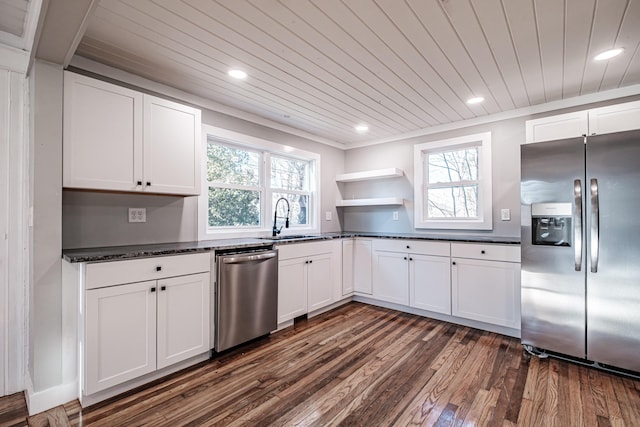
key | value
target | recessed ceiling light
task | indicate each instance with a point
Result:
(362, 128)
(237, 74)
(475, 100)
(608, 54)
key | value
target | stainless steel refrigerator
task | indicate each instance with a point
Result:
(580, 219)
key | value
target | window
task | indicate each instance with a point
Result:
(453, 183)
(235, 186)
(246, 176)
(290, 180)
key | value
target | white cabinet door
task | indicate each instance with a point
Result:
(614, 118)
(319, 281)
(557, 127)
(362, 266)
(292, 289)
(391, 277)
(430, 283)
(120, 334)
(102, 135)
(487, 291)
(183, 318)
(347, 266)
(171, 147)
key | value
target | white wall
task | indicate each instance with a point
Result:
(505, 147)
(45, 364)
(14, 231)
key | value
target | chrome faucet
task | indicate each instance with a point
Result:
(276, 230)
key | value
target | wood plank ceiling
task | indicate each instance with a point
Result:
(323, 66)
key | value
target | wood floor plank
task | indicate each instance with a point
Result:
(576, 411)
(613, 407)
(370, 366)
(588, 404)
(540, 393)
(13, 410)
(551, 405)
(516, 398)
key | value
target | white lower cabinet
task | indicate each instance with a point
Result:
(292, 289)
(136, 328)
(120, 332)
(391, 277)
(486, 288)
(347, 267)
(309, 277)
(182, 318)
(429, 283)
(362, 266)
(413, 273)
(319, 281)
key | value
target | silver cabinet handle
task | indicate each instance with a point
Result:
(247, 258)
(577, 225)
(595, 226)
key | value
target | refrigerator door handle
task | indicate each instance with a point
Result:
(595, 226)
(577, 227)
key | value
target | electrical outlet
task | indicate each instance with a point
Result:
(505, 214)
(137, 215)
(395, 215)
(327, 215)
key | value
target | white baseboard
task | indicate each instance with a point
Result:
(512, 332)
(40, 401)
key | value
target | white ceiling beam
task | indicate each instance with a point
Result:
(64, 25)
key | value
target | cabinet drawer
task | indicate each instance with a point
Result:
(99, 275)
(422, 247)
(299, 250)
(495, 252)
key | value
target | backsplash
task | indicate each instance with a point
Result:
(95, 219)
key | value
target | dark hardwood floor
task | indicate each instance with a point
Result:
(367, 366)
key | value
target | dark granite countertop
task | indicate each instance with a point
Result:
(114, 253)
(443, 237)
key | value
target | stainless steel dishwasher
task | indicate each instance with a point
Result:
(246, 296)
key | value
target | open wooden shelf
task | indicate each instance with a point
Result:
(372, 174)
(388, 201)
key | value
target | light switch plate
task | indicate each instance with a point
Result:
(505, 214)
(137, 215)
(327, 215)
(395, 215)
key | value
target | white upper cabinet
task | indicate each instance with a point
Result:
(597, 121)
(557, 127)
(102, 135)
(171, 146)
(119, 139)
(614, 118)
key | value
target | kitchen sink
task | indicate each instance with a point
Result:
(289, 237)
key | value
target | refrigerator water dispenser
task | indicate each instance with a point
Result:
(551, 224)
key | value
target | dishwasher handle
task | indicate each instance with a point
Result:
(248, 258)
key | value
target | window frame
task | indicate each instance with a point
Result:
(266, 148)
(484, 221)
